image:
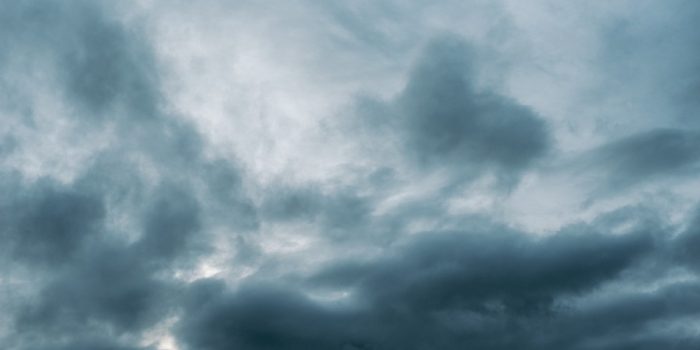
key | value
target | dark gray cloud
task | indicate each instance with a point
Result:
(660, 151)
(169, 223)
(495, 289)
(107, 286)
(657, 154)
(444, 119)
(270, 319)
(48, 224)
(94, 282)
(261, 317)
(515, 271)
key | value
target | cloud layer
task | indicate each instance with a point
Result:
(368, 175)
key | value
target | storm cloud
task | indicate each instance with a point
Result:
(369, 175)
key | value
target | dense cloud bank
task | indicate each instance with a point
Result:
(495, 289)
(348, 176)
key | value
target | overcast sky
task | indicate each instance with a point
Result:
(351, 175)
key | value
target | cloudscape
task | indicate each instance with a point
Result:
(351, 175)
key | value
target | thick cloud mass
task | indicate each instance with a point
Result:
(489, 289)
(47, 223)
(446, 116)
(444, 119)
(369, 175)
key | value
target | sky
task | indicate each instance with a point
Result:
(351, 175)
